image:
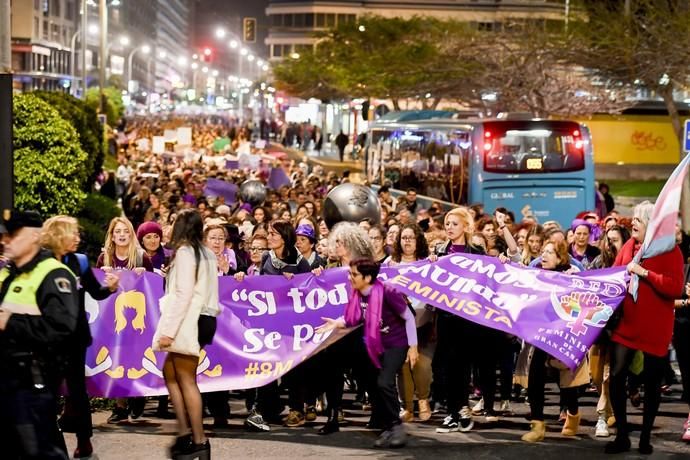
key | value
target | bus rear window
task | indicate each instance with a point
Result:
(533, 150)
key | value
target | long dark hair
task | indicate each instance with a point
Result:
(188, 229)
(287, 232)
(421, 248)
(608, 251)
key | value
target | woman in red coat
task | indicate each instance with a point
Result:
(646, 326)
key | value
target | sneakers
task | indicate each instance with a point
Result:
(462, 422)
(466, 422)
(310, 414)
(478, 409)
(399, 437)
(294, 419)
(255, 422)
(395, 437)
(505, 407)
(450, 423)
(602, 428)
(384, 439)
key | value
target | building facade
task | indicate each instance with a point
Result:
(172, 43)
(42, 32)
(293, 23)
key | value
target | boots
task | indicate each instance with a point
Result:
(536, 432)
(572, 422)
(424, 410)
(332, 425)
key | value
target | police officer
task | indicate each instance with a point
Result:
(38, 314)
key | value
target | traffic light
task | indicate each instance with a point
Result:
(249, 30)
(207, 55)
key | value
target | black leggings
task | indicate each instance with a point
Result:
(536, 384)
(621, 357)
(681, 343)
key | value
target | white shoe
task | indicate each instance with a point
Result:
(602, 428)
(478, 408)
(505, 407)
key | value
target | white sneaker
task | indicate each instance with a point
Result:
(478, 408)
(466, 422)
(505, 407)
(602, 428)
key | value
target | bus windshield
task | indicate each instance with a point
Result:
(524, 150)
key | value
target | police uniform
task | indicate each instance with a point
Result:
(42, 298)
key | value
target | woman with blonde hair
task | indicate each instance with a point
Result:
(61, 236)
(457, 335)
(122, 250)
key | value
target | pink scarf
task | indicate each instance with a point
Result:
(372, 321)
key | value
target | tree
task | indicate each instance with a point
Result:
(525, 68)
(83, 117)
(113, 106)
(380, 57)
(48, 159)
(636, 43)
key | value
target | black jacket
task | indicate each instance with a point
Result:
(87, 283)
(43, 337)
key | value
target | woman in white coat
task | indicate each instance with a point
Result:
(188, 323)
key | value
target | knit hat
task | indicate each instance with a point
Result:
(306, 230)
(149, 227)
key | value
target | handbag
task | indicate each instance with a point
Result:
(186, 342)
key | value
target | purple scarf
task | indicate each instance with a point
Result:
(372, 321)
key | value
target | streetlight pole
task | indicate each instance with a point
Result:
(146, 49)
(6, 154)
(103, 14)
(84, 21)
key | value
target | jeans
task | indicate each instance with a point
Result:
(385, 397)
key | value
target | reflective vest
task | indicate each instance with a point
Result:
(21, 295)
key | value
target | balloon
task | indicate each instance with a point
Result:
(253, 192)
(351, 203)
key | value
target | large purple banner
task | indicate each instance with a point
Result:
(267, 323)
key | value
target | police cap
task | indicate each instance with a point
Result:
(13, 220)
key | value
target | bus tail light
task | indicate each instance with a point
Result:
(487, 143)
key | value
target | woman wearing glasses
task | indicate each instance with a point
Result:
(411, 246)
(554, 257)
(377, 237)
(390, 337)
(214, 239)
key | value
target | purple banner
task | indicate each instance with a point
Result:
(264, 332)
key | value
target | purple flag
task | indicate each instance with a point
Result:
(277, 178)
(217, 187)
(267, 325)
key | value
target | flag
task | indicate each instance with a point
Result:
(661, 229)
(277, 178)
(217, 187)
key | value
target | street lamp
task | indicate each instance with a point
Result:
(244, 51)
(233, 44)
(220, 32)
(146, 49)
(122, 40)
(93, 29)
(162, 54)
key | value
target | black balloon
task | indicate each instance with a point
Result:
(253, 192)
(351, 203)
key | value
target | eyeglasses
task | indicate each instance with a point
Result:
(376, 238)
(258, 249)
(354, 275)
(407, 238)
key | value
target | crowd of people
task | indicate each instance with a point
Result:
(408, 361)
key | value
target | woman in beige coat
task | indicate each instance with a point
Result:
(188, 322)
